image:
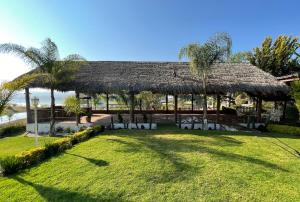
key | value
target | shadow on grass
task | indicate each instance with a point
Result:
(167, 149)
(55, 194)
(97, 162)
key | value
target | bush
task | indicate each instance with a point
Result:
(292, 113)
(12, 129)
(292, 130)
(10, 165)
(13, 164)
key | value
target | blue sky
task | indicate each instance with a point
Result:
(139, 29)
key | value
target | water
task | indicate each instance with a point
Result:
(16, 116)
(44, 97)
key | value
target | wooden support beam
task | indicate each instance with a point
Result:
(192, 102)
(175, 107)
(218, 107)
(107, 102)
(131, 107)
(167, 103)
(259, 109)
(27, 100)
(284, 110)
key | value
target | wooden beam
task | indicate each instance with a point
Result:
(167, 103)
(131, 107)
(284, 110)
(27, 100)
(259, 109)
(218, 107)
(175, 107)
(107, 102)
(192, 101)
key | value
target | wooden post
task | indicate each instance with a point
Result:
(259, 109)
(218, 107)
(284, 110)
(167, 103)
(107, 102)
(27, 100)
(77, 116)
(131, 107)
(175, 107)
(192, 102)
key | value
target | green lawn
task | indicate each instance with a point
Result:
(19, 143)
(164, 165)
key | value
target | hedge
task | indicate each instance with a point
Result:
(285, 129)
(13, 164)
(12, 129)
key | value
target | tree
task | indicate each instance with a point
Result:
(240, 57)
(279, 57)
(48, 64)
(149, 100)
(72, 106)
(296, 93)
(202, 57)
(8, 89)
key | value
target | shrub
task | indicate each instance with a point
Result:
(285, 129)
(292, 113)
(59, 129)
(12, 129)
(12, 164)
(32, 156)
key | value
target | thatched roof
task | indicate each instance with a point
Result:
(115, 76)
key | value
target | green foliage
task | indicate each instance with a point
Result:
(12, 164)
(149, 100)
(295, 86)
(242, 98)
(292, 113)
(12, 129)
(278, 57)
(284, 129)
(240, 57)
(49, 66)
(72, 105)
(8, 89)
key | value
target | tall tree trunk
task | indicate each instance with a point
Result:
(27, 99)
(192, 102)
(167, 104)
(52, 118)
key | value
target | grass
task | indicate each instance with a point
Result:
(165, 165)
(18, 143)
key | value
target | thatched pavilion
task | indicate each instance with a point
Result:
(170, 78)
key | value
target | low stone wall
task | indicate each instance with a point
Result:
(44, 128)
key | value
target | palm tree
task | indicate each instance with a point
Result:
(201, 59)
(48, 65)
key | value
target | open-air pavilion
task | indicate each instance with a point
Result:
(167, 78)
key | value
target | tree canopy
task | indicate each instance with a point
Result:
(279, 57)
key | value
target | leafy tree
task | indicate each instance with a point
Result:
(149, 100)
(278, 57)
(8, 89)
(48, 64)
(240, 57)
(201, 59)
(296, 93)
(72, 106)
